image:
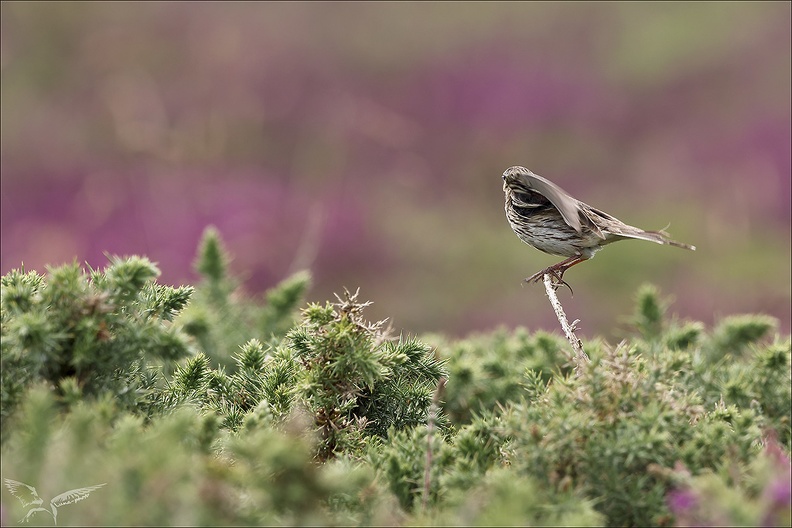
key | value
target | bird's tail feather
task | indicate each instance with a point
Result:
(659, 237)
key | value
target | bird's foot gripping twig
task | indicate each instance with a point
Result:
(556, 272)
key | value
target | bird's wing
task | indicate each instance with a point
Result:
(75, 495)
(602, 223)
(26, 494)
(566, 205)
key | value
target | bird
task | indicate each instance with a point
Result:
(548, 218)
(29, 497)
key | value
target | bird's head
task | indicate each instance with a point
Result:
(532, 190)
(515, 173)
(517, 177)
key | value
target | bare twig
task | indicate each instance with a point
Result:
(434, 409)
(569, 329)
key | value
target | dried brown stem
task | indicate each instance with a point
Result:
(580, 357)
(434, 409)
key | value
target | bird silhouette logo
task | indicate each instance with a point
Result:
(29, 498)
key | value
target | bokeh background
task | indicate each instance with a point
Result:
(365, 142)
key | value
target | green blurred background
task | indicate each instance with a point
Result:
(365, 141)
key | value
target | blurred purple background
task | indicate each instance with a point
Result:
(365, 141)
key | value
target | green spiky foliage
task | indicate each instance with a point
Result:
(486, 370)
(177, 470)
(221, 318)
(89, 334)
(659, 400)
(260, 390)
(359, 381)
(326, 418)
(348, 374)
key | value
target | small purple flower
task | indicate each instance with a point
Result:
(777, 495)
(681, 501)
(779, 492)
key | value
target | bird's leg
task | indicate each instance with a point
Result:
(557, 271)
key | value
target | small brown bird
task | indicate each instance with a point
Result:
(549, 219)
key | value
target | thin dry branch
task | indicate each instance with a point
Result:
(580, 357)
(434, 409)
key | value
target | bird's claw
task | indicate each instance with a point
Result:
(561, 281)
(556, 274)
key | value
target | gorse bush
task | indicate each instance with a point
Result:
(485, 370)
(348, 374)
(201, 406)
(357, 381)
(601, 432)
(88, 334)
(220, 320)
